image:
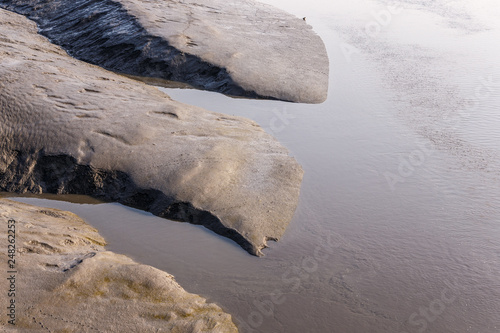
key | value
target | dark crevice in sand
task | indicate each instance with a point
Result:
(103, 33)
(36, 172)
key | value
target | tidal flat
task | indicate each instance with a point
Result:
(397, 227)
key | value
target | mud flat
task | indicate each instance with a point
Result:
(242, 48)
(66, 281)
(70, 127)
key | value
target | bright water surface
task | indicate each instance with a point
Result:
(398, 226)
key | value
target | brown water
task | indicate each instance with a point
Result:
(398, 226)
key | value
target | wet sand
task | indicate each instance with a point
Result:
(397, 228)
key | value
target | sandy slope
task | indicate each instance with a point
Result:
(67, 282)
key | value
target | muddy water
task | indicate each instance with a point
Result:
(398, 226)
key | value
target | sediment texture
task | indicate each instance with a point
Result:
(67, 282)
(70, 127)
(241, 48)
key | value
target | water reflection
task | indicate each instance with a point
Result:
(397, 226)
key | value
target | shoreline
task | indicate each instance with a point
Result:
(69, 127)
(212, 45)
(66, 279)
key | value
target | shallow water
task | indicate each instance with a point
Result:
(398, 225)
